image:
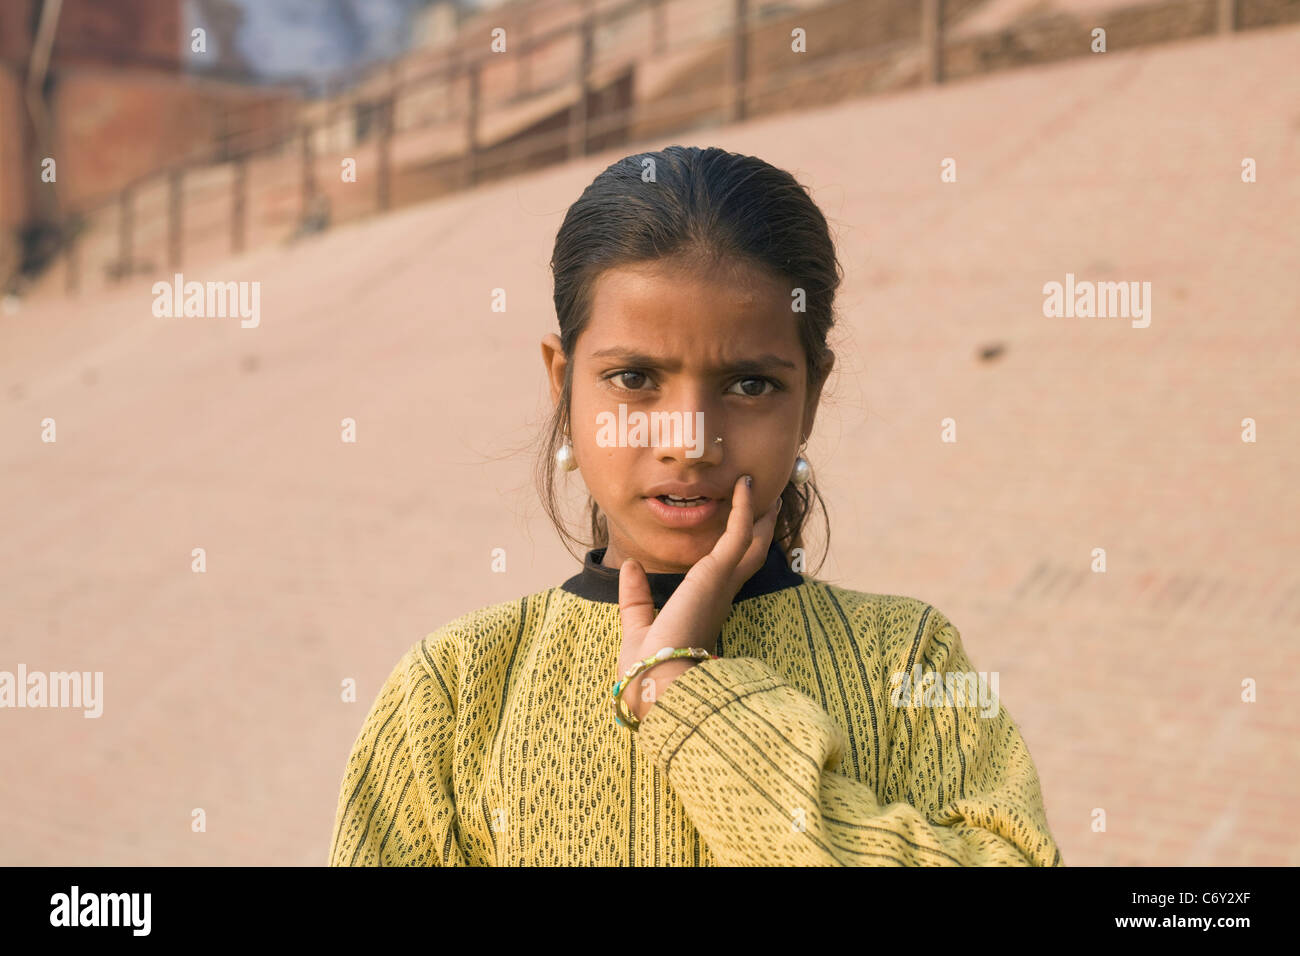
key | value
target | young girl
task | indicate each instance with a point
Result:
(770, 718)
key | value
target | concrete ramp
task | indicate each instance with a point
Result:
(325, 560)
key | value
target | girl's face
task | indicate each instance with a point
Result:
(721, 351)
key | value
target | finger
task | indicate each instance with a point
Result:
(739, 552)
(716, 570)
(636, 608)
(766, 525)
(739, 534)
(756, 554)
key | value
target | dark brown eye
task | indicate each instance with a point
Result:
(755, 387)
(637, 379)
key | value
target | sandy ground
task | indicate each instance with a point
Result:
(326, 560)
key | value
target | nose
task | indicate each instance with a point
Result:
(687, 438)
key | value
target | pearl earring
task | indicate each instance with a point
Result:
(565, 458)
(802, 470)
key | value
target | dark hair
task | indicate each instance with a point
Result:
(702, 207)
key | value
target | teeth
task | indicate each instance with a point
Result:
(677, 502)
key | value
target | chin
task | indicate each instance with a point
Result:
(682, 548)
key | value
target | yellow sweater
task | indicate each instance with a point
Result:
(492, 742)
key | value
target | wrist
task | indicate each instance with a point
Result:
(652, 682)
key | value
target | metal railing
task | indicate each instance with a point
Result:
(415, 131)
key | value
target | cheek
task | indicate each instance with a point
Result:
(606, 471)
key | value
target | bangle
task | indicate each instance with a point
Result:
(622, 713)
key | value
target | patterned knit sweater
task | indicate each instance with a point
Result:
(816, 739)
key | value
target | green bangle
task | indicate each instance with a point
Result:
(622, 714)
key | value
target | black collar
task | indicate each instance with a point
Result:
(598, 583)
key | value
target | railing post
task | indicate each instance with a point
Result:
(72, 264)
(1227, 16)
(332, 90)
(578, 124)
(308, 172)
(175, 223)
(238, 203)
(739, 60)
(524, 55)
(932, 41)
(471, 125)
(125, 215)
(386, 119)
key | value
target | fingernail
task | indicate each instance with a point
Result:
(749, 481)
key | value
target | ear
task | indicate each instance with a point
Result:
(555, 362)
(815, 392)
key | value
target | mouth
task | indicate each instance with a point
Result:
(676, 501)
(679, 512)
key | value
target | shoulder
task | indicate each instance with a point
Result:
(904, 626)
(444, 657)
(484, 630)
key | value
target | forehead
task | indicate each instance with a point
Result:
(679, 310)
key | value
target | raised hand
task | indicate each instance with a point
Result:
(698, 607)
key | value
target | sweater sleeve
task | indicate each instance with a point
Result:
(755, 762)
(396, 807)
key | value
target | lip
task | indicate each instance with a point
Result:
(683, 490)
(676, 517)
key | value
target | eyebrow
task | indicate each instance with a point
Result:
(758, 363)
